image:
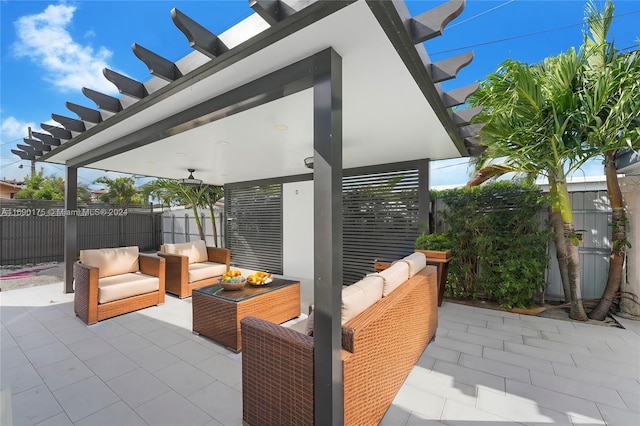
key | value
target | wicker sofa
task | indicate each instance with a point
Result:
(115, 281)
(380, 346)
(193, 265)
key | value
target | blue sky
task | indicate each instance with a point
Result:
(50, 50)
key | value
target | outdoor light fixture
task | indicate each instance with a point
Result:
(308, 162)
(190, 181)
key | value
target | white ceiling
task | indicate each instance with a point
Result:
(386, 118)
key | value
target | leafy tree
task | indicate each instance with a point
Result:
(122, 191)
(40, 187)
(610, 120)
(528, 114)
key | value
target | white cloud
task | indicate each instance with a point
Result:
(12, 129)
(44, 39)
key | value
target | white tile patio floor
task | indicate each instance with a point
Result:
(485, 367)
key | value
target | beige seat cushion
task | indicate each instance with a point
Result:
(126, 285)
(196, 251)
(416, 262)
(111, 261)
(359, 296)
(393, 276)
(204, 270)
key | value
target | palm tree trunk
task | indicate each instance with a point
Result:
(561, 252)
(198, 222)
(618, 243)
(576, 310)
(213, 223)
(560, 203)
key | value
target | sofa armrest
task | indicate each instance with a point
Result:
(151, 264)
(219, 255)
(85, 299)
(156, 266)
(277, 374)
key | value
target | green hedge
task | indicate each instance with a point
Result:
(498, 243)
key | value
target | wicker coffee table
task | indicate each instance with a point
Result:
(217, 312)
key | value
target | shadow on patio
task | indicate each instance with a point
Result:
(485, 367)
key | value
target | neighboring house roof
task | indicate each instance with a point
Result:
(229, 111)
(12, 184)
(9, 188)
(628, 163)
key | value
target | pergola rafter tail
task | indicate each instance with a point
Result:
(459, 96)
(431, 23)
(104, 102)
(23, 155)
(70, 123)
(126, 85)
(30, 150)
(38, 145)
(464, 116)
(448, 69)
(47, 139)
(200, 39)
(158, 66)
(57, 132)
(86, 114)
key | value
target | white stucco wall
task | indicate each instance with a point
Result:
(630, 186)
(297, 256)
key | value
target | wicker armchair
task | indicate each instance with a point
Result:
(193, 265)
(111, 282)
(380, 346)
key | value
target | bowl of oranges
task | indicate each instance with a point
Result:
(259, 278)
(232, 280)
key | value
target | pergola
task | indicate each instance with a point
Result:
(348, 83)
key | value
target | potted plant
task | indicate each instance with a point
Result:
(434, 246)
(437, 250)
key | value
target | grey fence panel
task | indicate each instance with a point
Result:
(31, 239)
(179, 226)
(38, 237)
(592, 214)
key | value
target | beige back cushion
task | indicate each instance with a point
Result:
(196, 251)
(359, 296)
(393, 277)
(111, 261)
(416, 262)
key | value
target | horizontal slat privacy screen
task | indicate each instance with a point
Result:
(380, 219)
(254, 227)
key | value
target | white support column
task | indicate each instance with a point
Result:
(630, 186)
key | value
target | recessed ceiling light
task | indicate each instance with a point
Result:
(180, 154)
(223, 143)
(281, 127)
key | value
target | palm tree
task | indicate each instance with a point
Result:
(172, 192)
(211, 194)
(611, 122)
(528, 111)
